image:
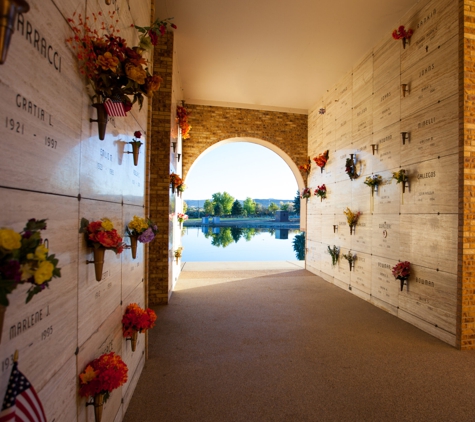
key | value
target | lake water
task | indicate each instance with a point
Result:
(207, 243)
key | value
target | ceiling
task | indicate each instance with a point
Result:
(273, 54)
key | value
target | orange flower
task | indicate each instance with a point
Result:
(153, 84)
(136, 73)
(108, 61)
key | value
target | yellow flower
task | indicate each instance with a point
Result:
(107, 224)
(40, 253)
(9, 239)
(44, 272)
(138, 224)
(136, 73)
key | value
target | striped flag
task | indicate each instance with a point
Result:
(114, 108)
(21, 403)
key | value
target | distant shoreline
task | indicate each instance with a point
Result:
(247, 222)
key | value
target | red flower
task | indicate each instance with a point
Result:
(173, 26)
(153, 37)
(138, 134)
(137, 319)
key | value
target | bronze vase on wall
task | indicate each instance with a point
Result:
(8, 12)
(101, 119)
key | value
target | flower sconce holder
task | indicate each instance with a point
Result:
(101, 119)
(353, 229)
(404, 42)
(405, 89)
(352, 264)
(98, 262)
(135, 150)
(133, 340)
(352, 173)
(374, 147)
(335, 228)
(133, 246)
(405, 185)
(98, 404)
(174, 146)
(178, 157)
(404, 283)
(9, 10)
(404, 137)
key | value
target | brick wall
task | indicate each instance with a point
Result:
(159, 192)
(466, 267)
(211, 124)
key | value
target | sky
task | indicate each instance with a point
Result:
(242, 169)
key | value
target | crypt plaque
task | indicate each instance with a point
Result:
(363, 119)
(433, 80)
(430, 240)
(387, 63)
(343, 128)
(433, 25)
(433, 186)
(432, 132)
(384, 287)
(343, 95)
(388, 142)
(386, 105)
(385, 236)
(361, 276)
(388, 198)
(363, 80)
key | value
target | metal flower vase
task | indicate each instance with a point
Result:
(8, 13)
(133, 340)
(135, 151)
(98, 261)
(98, 407)
(133, 245)
(101, 119)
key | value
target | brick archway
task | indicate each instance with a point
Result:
(285, 132)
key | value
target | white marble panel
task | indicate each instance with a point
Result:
(430, 240)
(98, 299)
(386, 235)
(361, 276)
(388, 141)
(46, 325)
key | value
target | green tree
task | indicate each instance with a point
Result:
(218, 209)
(297, 203)
(259, 209)
(185, 207)
(299, 246)
(273, 207)
(249, 206)
(223, 238)
(284, 207)
(225, 199)
(236, 208)
(236, 233)
(208, 207)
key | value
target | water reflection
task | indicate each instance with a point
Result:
(242, 244)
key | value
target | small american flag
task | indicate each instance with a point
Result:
(114, 108)
(21, 403)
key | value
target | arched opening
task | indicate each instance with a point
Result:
(284, 156)
(234, 172)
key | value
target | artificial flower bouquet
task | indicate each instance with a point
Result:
(400, 176)
(102, 376)
(401, 33)
(178, 252)
(101, 233)
(351, 258)
(334, 253)
(401, 271)
(182, 119)
(306, 167)
(306, 192)
(352, 218)
(137, 319)
(24, 258)
(149, 34)
(374, 180)
(321, 160)
(181, 217)
(114, 70)
(143, 228)
(350, 168)
(321, 191)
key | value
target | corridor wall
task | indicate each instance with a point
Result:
(54, 166)
(367, 109)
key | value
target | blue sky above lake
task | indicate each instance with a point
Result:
(242, 169)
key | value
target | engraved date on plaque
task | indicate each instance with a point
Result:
(14, 125)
